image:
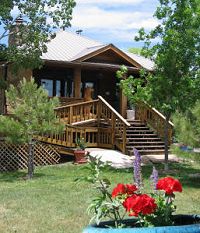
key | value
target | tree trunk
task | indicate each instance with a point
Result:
(166, 129)
(30, 159)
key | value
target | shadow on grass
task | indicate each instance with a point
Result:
(186, 173)
(18, 176)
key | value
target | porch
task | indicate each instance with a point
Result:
(102, 126)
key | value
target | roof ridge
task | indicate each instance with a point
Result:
(101, 45)
(77, 35)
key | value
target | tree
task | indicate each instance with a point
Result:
(40, 20)
(187, 126)
(135, 50)
(173, 86)
(32, 113)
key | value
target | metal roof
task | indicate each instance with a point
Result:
(68, 47)
(144, 62)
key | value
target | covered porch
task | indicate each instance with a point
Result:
(69, 82)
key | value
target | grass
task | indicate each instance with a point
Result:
(190, 156)
(52, 202)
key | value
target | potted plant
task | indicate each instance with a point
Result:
(147, 212)
(79, 152)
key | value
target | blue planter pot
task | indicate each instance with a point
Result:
(184, 224)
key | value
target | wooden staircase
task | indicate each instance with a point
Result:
(141, 137)
(101, 126)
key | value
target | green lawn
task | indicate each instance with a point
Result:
(53, 202)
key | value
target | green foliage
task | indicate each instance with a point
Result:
(41, 19)
(80, 143)
(135, 50)
(102, 205)
(134, 88)
(175, 82)
(53, 189)
(33, 113)
(187, 126)
(176, 55)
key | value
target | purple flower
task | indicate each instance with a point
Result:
(137, 169)
(154, 178)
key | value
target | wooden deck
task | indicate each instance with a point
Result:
(100, 125)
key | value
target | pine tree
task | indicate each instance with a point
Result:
(32, 113)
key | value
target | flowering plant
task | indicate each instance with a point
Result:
(153, 209)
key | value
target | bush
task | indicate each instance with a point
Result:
(187, 126)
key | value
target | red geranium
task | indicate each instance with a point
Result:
(139, 204)
(169, 185)
(123, 189)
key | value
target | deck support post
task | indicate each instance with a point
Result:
(123, 104)
(77, 82)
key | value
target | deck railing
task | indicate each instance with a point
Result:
(117, 124)
(73, 113)
(110, 129)
(154, 119)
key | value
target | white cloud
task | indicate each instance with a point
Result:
(109, 2)
(15, 11)
(95, 17)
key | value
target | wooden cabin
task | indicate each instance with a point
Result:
(82, 73)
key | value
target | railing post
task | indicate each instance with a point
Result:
(98, 120)
(70, 115)
(124, 139)
(113, 122)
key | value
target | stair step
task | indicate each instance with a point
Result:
(139, 131)
(141, 135)
(146, 143)
(155, 139)
(146, 147)
(137, 128)
(148, 152)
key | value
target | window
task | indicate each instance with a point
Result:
(47, 84)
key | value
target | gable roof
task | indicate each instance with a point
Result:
(69, 47)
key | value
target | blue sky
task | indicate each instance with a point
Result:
(114, 21)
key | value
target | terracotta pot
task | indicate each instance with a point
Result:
(184, 224)
(80, 156)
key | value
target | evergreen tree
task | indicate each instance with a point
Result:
(32, 113)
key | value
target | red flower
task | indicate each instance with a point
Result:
(139, 204)
(123, 189)
(169, 185)
(130, 189)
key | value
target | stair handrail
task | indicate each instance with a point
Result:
(76, 104)
(118, 124)
(114, 111)
(154, 118)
